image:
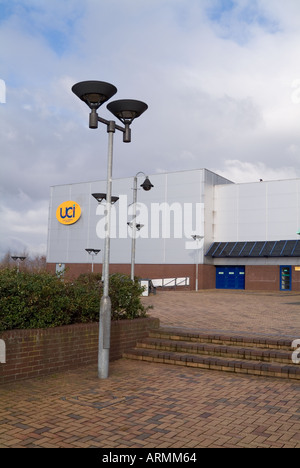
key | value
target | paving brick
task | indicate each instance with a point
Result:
(153, 405)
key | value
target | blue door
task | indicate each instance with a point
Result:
(230, 277)
(285, 278)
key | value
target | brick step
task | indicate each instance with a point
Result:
(257, 341)
(216, 363)
(211, 349)
(253, 355)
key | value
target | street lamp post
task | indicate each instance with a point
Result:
(146, 185)
(197, 239)
(94, 94)
(18, 259)
(93, 252)
(100, 197)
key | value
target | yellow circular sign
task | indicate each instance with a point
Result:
(68, 212)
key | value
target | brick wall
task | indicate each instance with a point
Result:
(207, 275)
(267, 277)
(33, 353)
(295, 279)
(262, 277)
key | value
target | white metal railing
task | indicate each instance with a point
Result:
(170, 282)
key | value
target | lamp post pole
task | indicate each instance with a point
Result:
(93, 252)
(146, 185)
(133, 239)
(18, 259)
(197, 239)
(105, 303)
(94, 94)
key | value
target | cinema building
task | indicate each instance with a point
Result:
(193, 228)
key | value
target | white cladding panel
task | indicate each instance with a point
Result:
(257, 211)
(171, 212)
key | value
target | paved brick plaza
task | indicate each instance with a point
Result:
(158, 406)
(236, 311)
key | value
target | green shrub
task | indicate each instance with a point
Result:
(85, 293)
(125, 297)
(42, 300)
(29, 300)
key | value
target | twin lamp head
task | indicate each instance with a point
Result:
(96, 93)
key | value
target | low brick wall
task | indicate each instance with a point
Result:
(33, 353)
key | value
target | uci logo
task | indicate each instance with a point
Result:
(68, 212)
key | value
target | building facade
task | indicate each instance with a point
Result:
(196, 228)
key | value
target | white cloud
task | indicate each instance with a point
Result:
(222, 85)
(2, 92)
(23, 229)
(242, 172)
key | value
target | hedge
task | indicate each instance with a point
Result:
(43, 300)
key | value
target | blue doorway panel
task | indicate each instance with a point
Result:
(230, 277)
(285, 278)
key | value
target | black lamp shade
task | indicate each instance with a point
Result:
(102, 196)
(94, 251)
(94, 93)
(127, 110)
(146, 185)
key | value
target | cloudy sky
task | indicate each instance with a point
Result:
(221, 78)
